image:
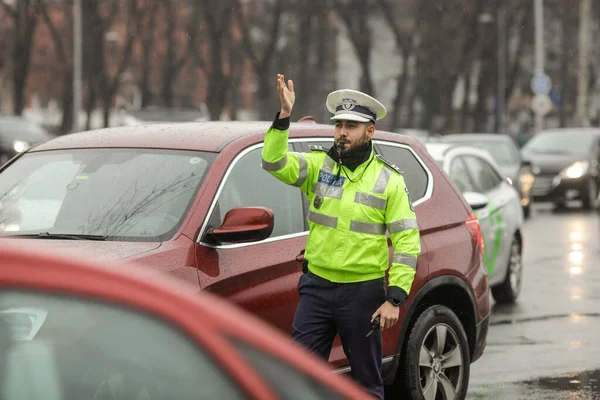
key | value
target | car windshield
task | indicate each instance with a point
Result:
(116, 194)
(502, 152)
(567, 142)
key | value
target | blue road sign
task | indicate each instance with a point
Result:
(541, 84)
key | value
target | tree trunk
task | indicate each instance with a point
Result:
(169, 65)
(25, 25)
(564, 71)
(67, 102)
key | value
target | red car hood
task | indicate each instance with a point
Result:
(110, 250)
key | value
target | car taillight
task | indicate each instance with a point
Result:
(475, 229)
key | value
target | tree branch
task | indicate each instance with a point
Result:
(58, 42)
(9, 10)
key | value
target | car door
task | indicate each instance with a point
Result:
(502, 217)
(260, 277)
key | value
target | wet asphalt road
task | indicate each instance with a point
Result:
(547, 345)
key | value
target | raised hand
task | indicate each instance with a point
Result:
(286, 96)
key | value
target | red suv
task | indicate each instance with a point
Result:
(191, 200)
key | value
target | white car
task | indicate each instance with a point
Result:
(497, 205)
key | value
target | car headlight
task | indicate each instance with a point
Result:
(20, 146)
(575, 170)
(24, 323)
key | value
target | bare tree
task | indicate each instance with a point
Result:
(404, 32)
(147, 40)
(355, 15)
(61, 44)
(173, 62)
(218, 19)
(261, 62)
(24, 16)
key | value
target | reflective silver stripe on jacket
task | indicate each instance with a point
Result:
(303, 170)
(402, 225)
(367, 227)
(322, 219)
(406, 259)
(370, 200)
(324, 190)
(274, 166)
(382, 180)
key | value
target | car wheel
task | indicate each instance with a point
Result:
(589, 199)
(436, 357)
(509, 289)
(118, 381)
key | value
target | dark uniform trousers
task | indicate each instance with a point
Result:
(327, 308)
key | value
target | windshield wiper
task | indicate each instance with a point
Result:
(48, 235)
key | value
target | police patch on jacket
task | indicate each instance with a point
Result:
(330, 179)
(390, 164)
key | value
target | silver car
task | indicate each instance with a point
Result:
(496, 204)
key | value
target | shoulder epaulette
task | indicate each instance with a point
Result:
(316, 147)
(389, 164)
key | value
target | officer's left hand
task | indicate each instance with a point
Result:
(389, 315)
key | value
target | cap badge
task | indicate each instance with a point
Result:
(348, 104)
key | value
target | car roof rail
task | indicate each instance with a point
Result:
(309, 119)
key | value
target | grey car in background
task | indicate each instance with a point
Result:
(505, 152)
(17, 135)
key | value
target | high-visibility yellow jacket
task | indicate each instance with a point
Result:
(349, 216)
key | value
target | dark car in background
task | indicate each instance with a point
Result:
(506, 154)
(567, 160)
(17, 135)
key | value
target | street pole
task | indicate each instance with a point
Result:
(501, 67)
(583, 76)
(538, 12)
(76, 64)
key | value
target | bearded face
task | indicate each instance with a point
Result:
(352, 134)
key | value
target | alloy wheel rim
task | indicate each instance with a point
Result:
(441, 363)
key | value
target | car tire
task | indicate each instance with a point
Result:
(510, 288)
(134, 381)
(427, 367)
(589, 199)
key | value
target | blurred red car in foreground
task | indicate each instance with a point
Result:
(71, 329)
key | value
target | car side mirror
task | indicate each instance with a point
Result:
(476, 200)
(244, 224)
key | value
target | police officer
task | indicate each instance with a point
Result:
(355, 197)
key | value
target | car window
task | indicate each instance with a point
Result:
(503, 151)
(415, 176)
(483, 174)
(460, 176)
(249, 185)
(287, 381)
(561, 142)
(67, 348)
